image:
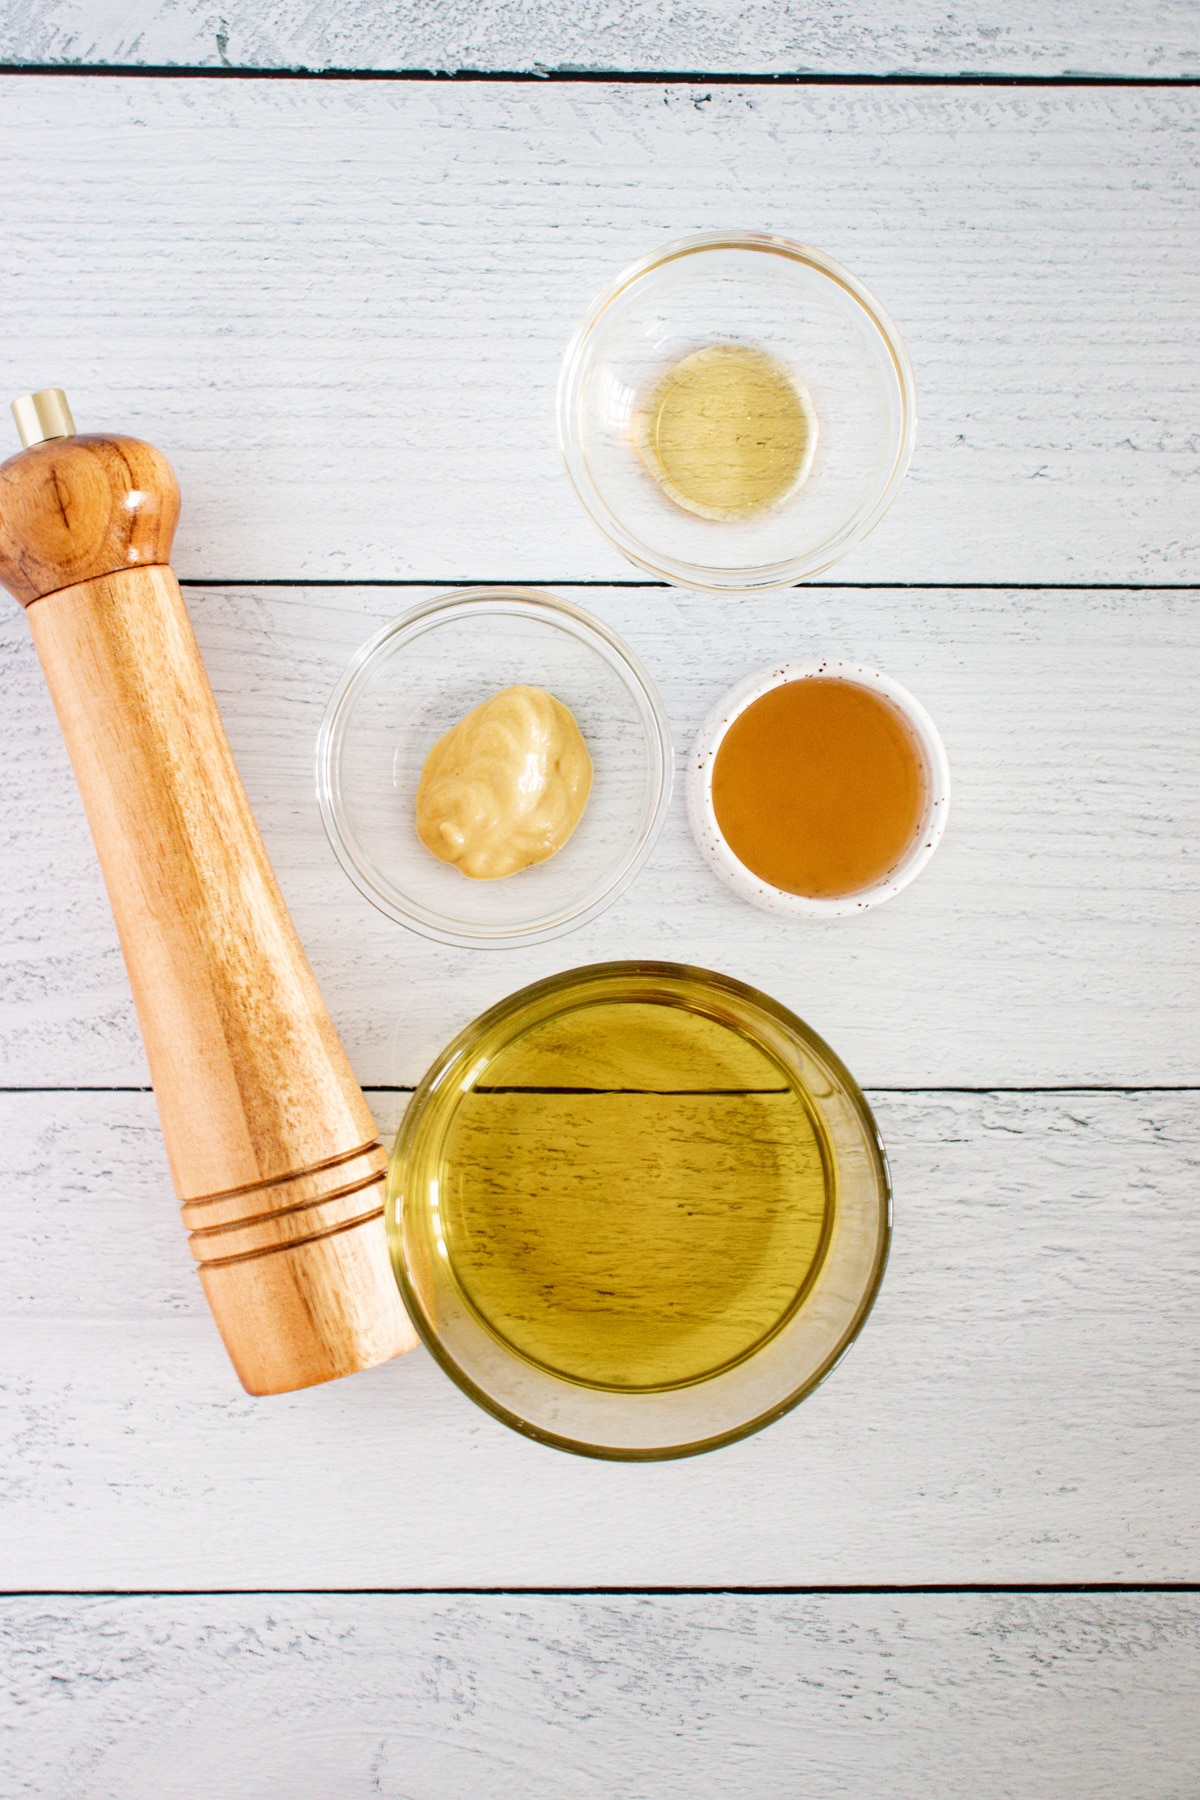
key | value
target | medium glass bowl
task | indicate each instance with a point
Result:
(815, 318)
(416, 679)
(675, 1227)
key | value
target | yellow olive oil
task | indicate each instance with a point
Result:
(727, 432)
(632, 1195)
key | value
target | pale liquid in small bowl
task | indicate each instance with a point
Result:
(727, 432)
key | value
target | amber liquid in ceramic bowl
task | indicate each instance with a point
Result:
(819, 788)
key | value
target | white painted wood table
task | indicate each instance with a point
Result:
(968, 1565)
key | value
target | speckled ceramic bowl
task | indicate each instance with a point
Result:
(743, 881)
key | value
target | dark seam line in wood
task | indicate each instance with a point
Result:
(607, 77)
(1016, 1588)
(734, 1093)
(465, 581)
(1071, 1087)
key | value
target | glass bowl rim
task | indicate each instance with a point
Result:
(786, 571)
(432, 1081)
(426, 616)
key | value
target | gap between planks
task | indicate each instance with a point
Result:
(612, 77)
(469, 581)
(1071, 1087)
(852, 1589)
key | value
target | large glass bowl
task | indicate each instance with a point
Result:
(413, 682)
(810, 314)
(638, 1210)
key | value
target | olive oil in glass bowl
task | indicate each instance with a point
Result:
(638, 1210)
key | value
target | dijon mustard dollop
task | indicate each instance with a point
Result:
(506, 786)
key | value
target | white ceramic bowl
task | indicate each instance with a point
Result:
(416, 679)
(703, 816)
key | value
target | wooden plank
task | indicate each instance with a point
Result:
(340, 307)
(1121, 37)
(1051, 941)
(1022, 1405)
(943, 1696)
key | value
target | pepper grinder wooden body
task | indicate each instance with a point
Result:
(271, 1144)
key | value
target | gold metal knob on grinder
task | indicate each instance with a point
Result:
(42, 416)
(271, 1144)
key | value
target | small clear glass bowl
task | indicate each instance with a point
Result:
(416, 679)
(815, 318)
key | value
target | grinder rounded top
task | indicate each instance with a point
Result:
(76, 507)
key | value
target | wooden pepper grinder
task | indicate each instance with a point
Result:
(271, 1145)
